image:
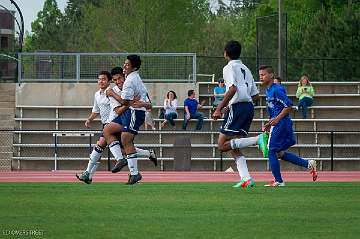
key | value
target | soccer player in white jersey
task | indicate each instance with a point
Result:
(114, 95)
(111, 93)
(129, 120)
(101, 107)
(238, 101)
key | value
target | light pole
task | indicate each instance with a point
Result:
(280, 62)
(21, 37)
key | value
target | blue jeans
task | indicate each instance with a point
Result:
(170, 118)
(197, 115)
(304, 103)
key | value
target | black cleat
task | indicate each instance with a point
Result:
(153, 157)
(134, 179)
(119, 165)
(84, 177)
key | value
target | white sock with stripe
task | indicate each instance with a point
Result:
(132, 164)
(116, 150)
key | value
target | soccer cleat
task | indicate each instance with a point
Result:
(119, 165)
(313, 171)
(275, 184)
(134, 179)
(153, 157)
(84, 177)
(263, 144)
(245, 183)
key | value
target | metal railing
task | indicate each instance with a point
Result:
(84, 67)
(328, 147)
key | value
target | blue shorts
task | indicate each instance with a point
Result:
(238, 118)
(131, 120)
(282, 136)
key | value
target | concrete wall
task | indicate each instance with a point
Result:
(82, 94)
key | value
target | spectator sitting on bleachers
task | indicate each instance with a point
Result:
(305, 94)
(191, 106)
(219, 92)
(170, 105)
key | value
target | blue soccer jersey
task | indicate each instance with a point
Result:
(277, 100)
(281, 135)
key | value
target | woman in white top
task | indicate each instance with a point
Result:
(170, 105)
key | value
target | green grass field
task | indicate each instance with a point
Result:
(182, 210)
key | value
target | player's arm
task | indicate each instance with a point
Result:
(282, 114)
(94, 113)
(228, 96)
(111, 93)
(141, 104)
(91, 118)
(287, 103)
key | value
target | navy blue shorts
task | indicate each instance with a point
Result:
(238, 118)
(282, 136)
(131, 120)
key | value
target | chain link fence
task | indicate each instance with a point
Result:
(318, 69)
(8, 68)
(84, 67)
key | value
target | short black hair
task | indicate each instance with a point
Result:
(135, 61)
(278, 78)
(267, 68)
(117, 70)
(171, 91)
(221, 80)
(190, 92)
(233, 49)
(108, 75)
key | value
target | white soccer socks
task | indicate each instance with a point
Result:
(132, 163)
(116, 150)
(242, 168)
(243, 142)
(142, 153)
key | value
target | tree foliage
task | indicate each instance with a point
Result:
(316, 28)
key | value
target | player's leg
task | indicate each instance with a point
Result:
(240, 160)
(93, 163)
(110, 132)
(241, 165)
(148, 154)
(294, 159)
(260, 140)
(127, 139)
(275, 169)
(277, 140)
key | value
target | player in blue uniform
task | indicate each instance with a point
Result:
(281, 135)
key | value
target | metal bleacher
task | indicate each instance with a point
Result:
(336, 108)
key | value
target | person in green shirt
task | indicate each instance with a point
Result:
(305, 94)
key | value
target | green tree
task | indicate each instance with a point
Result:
(46, 29)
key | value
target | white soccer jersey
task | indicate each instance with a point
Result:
(134, 88)
(101, 105)
(113, 104)
(237, 74)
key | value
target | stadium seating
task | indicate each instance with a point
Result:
(336, 108)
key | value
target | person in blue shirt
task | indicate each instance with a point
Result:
(219, 93)
(281, 135)
(191, 106)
